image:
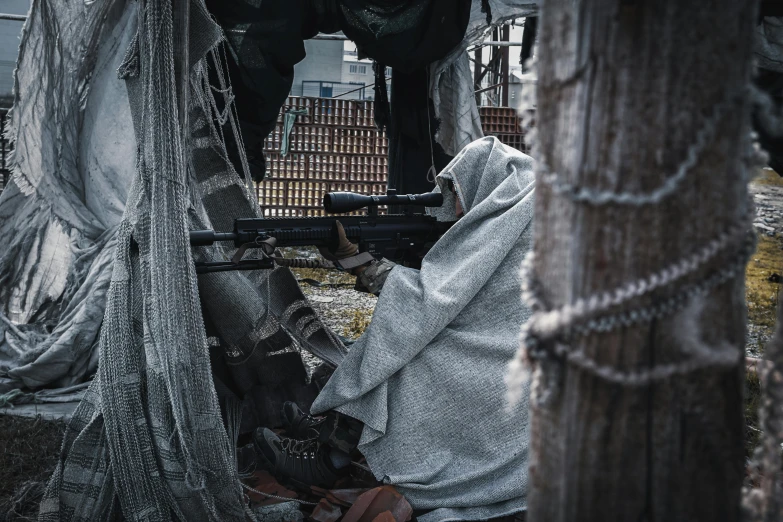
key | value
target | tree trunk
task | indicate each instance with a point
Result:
(624, 89)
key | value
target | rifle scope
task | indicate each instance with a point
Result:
(339, 202)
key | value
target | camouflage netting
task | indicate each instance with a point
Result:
(148, 440)
(74, 163)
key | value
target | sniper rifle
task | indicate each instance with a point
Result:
(403, 238)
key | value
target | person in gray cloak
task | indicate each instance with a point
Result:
(422, 392)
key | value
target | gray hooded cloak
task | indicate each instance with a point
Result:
(427, 377)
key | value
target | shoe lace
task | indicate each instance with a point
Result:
(299, 448)
(308, 422)
(299, 457)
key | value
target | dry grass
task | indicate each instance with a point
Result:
(29, 449)
(324, 276)
(360, 320)
(762, 286)
(763, 283)
(769, 177)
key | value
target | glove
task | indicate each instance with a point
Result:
(340, 248)
(372, 278)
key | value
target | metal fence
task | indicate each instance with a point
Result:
(350, 91)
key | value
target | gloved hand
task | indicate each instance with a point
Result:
(340, 248)
(372, 278)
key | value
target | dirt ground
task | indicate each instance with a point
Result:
(763, 284)
(29, 447)
(764, 273)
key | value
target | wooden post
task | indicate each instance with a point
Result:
(505, 33)
(478, 60)
(623, 90)
(494, 73)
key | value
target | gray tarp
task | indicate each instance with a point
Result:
(72, 167)
(427, 377)
(451, 80)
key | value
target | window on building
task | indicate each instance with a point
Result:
(388, 72)
(358, 69)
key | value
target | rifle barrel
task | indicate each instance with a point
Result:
(208, 237)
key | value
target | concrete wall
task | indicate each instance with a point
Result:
(367, 77)
(362, 74)
(9, 45)
(515, 95)
(515, 88)
(324, 63)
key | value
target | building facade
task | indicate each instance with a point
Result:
(327, 71)
(333, 69)
(320, 71)
(10, 31)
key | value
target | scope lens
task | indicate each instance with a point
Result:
(328, 202)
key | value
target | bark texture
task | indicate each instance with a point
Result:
(624, 88)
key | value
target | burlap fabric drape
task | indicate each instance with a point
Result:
(148, 440)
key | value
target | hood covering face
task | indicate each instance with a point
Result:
(426, 378)
(474, 177)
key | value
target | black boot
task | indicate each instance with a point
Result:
(300, 425)
(247, 459)
(305, 462)
(335, 430)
